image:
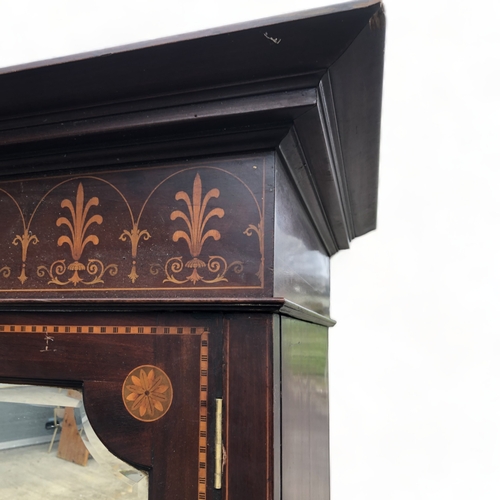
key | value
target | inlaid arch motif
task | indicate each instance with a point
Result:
(197, 227)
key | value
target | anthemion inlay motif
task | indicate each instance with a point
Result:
(159, 229)
(196, 221)
(77, 240)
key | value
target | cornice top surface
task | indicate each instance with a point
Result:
(258, 51)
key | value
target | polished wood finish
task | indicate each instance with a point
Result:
(232, 91)
(168, 70)
(249, 415)
(304, 410)
(83, 351)
(358, 109)
(137, 233)
(301, 263)
(167, 210)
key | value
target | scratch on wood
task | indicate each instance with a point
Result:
(48, 339)
(274, 40)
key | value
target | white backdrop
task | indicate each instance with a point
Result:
(414, 359)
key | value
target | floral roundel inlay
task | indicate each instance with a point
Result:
(147, 393)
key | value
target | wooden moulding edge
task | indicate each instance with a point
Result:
(276, 305)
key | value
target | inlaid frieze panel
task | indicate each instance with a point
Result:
(160, 231)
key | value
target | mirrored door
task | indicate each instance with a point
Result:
(132, 394)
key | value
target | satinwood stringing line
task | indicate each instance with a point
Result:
(202, 460)
(148, 330)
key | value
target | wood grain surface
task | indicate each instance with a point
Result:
(101, 362)
(186, 229)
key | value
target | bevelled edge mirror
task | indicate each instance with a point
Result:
(48, 449)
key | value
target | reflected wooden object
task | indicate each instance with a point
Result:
(24, 425)
(71, 446)
(57, 420)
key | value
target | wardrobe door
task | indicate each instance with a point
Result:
(149, 385)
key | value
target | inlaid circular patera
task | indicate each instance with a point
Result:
(147, 393)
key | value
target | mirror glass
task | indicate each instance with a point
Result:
(49, 450)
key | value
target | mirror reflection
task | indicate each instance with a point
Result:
(49, 450)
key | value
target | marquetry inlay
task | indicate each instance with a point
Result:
(171, 228)
(147, 393)
(99, 329)
(202, 462)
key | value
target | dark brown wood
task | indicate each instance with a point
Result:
(301, 263)
(282, 107)
(358, 110)
(126, 108)
(99, 362)
(293, 158)
(304, 410)
(208, 61)
(249, 406)
(137, 233)
(168, 214)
